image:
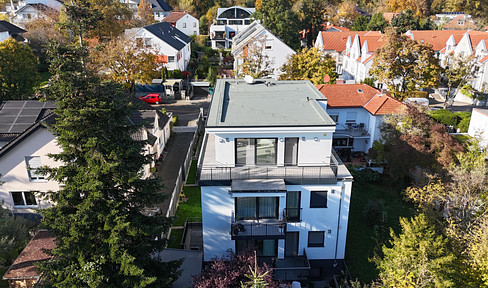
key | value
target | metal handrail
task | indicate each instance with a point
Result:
(243, 228)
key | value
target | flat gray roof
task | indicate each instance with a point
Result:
(267, 103)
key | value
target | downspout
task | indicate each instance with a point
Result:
(338, 223)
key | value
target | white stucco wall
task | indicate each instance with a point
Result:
(478, 125)
(218, 207)
(307, 146)
(188, 25)
(4, 35)
(15, 174)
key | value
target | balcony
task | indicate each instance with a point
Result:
(258, 229)
(292, 268)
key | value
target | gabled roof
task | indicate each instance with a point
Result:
(169, 34)
(438, 38)
(160, 6)
(39, 7)
(389, 16)
(359, 96)
(337, 40)
(250, 34)
(10, 28)
(454, 24)
(24, 266)
(175, 16)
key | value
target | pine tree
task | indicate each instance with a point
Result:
(103, 239)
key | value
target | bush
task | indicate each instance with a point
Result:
(463, 125)
(374, 212)
(444, 116)
(366, 175)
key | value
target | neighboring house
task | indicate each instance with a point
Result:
(33, 11)
(160, 8)
(228, 23)
(358, 110)
(8, 30)
(461, 22)
(30, 142)
(257, 38)
(270, 179)
(478, 125)
(389, 16)
(335, 43)
(172, 45)
(184, 22)
(23, 272)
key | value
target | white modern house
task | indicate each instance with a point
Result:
(257, 39)
(166, 41)
(270, 179)
(8, 30)
(358, 110)
(228, 23)
(478, 125)
(184, 22)
(26, 142)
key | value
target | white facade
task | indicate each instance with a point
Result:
(4, 35)
(186, 24)
(270, 46)
(357, 60)
(228, 23)
(176, 58)
(15, 173)
(246, 201)
(478, 125)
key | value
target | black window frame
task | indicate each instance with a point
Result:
(314, 203)
(316, 244)
(255, 142)
(277, 212)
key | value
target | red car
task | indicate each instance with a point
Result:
(152, 98)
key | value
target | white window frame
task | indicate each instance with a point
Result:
(23, 198)
(32, 164)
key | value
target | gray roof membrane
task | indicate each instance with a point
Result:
(266, 103)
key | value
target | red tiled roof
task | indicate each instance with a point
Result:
(438, 38)
(174, 17)
(23, 267)
(374, 41)
(483, 60)
(331, 26)
(348, 96)
(389, 16)
(453, 24)
(369, 58)
(337, 40)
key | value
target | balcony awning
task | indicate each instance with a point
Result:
(258, 185)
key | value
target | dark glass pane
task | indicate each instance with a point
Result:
(268, 207)
(266, 151)
(316, 238)
(18, 199)
(244, 151)
(30, 199)
(245, 208)
(318, 199)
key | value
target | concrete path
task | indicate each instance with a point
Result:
(169, 168)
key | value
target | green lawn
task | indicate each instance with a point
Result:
(191, 208)
(175, 238)
(362, 238)
(192, 174)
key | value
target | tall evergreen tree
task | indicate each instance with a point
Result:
(103, 238)
(279, 18)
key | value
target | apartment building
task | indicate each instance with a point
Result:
(228, 23)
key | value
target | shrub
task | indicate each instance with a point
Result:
(374, 212)
(463, 125)
(444, 116)
(366, 175)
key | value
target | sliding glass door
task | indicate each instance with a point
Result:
(256, 208)
(251, 151)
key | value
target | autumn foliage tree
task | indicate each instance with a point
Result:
(309, 64)
(145, 13)
(405, 64)
(254, 61)
(233, 270)
(18, 71)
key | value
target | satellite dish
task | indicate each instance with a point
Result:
(326, 78)
(249, 79)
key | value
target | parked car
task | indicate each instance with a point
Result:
(152, 98)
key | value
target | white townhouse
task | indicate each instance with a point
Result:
(25, 143)
(358, 110)
(160, 8)
(26, 11)
(270, 180)
(184, 22)
(8, 30)
(478, 125)
(168, 42)
(335, 42)
(228, 23)
(256, 37)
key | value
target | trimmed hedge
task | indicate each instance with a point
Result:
(444, 116)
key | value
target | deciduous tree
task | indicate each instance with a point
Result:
(309, 64)
(312, 16)
(126, 63)
(18, 71)
(145, 13)
(420, 8)
(254, 62)
(103, 237)
(457, 71)
(405, 64)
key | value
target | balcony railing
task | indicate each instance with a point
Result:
(267, 172)
(292, 268)
(271, 229)
(292, 214)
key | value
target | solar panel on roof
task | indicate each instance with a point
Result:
(19, 128)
